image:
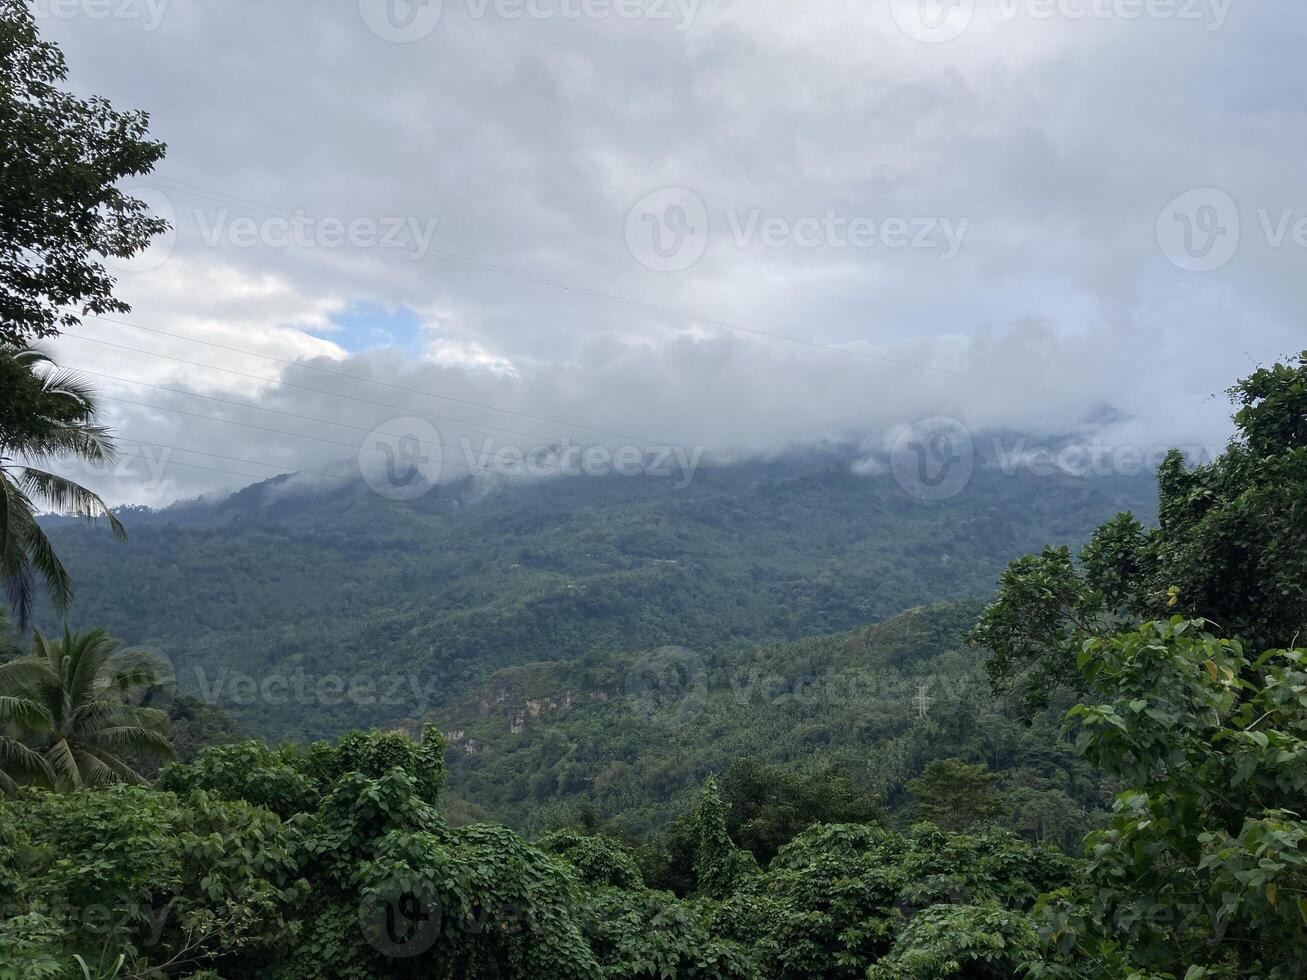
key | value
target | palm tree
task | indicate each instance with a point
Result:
(45, 413)
(92, 732)
(20, 716)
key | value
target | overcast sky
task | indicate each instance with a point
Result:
(732, 225)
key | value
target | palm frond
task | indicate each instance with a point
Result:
(16, 519)
(151, 718)
(90, 716)
(19, 760)
(63, 765)
(24, 676)
(35, 353)
(82, 439)
(129, 738)
(94, 730)
(23, 711)
(127, 679)
(64, 424)
(120, 769)
(92, 770)
(87, 657)
(68, 497)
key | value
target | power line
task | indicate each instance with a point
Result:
(214, 469)
(233, 459)
(196, 190)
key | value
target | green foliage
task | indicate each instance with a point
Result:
(273, 779)
(719, 866)
(955, 795)
(60, 160)
(72, 696)
(597, 860)
(980, 942)
(426, 600)
(371, 883)
(375, 753)
(1233, 537)
(292, 780)
(147, 874)
(22, 717)
(31, 947)
(838, 898)
(649, 935)
(829, 725)
(193, 725)
(1231, 547)
(1204, 864)
(768, 806)
(45, 414)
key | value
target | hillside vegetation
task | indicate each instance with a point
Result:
(430, 598)
(634, 736)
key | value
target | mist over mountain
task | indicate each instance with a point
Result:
(260, 599)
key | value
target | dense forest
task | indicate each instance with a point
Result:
(791, 723)
(438, 593)
(634, 737)
(346, 858)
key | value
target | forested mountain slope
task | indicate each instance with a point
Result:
(430, 597)
(635, 735)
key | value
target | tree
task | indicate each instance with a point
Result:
(19, 763)
(93, 732)
(46, 414)
(60, 159)
(1202, 872)
(955, 795)
(1231, 546)
(718, 864)
(767, 806)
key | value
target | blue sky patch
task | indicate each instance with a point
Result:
(367, 326)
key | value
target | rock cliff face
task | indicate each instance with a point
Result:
(513, 699)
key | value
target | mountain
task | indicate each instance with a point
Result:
(305, 612)
(635, 735)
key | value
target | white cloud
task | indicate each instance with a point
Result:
(527, 142)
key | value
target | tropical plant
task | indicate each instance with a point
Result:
(93, 731)
(45, 414)
(1202, 872)
(19, 713)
